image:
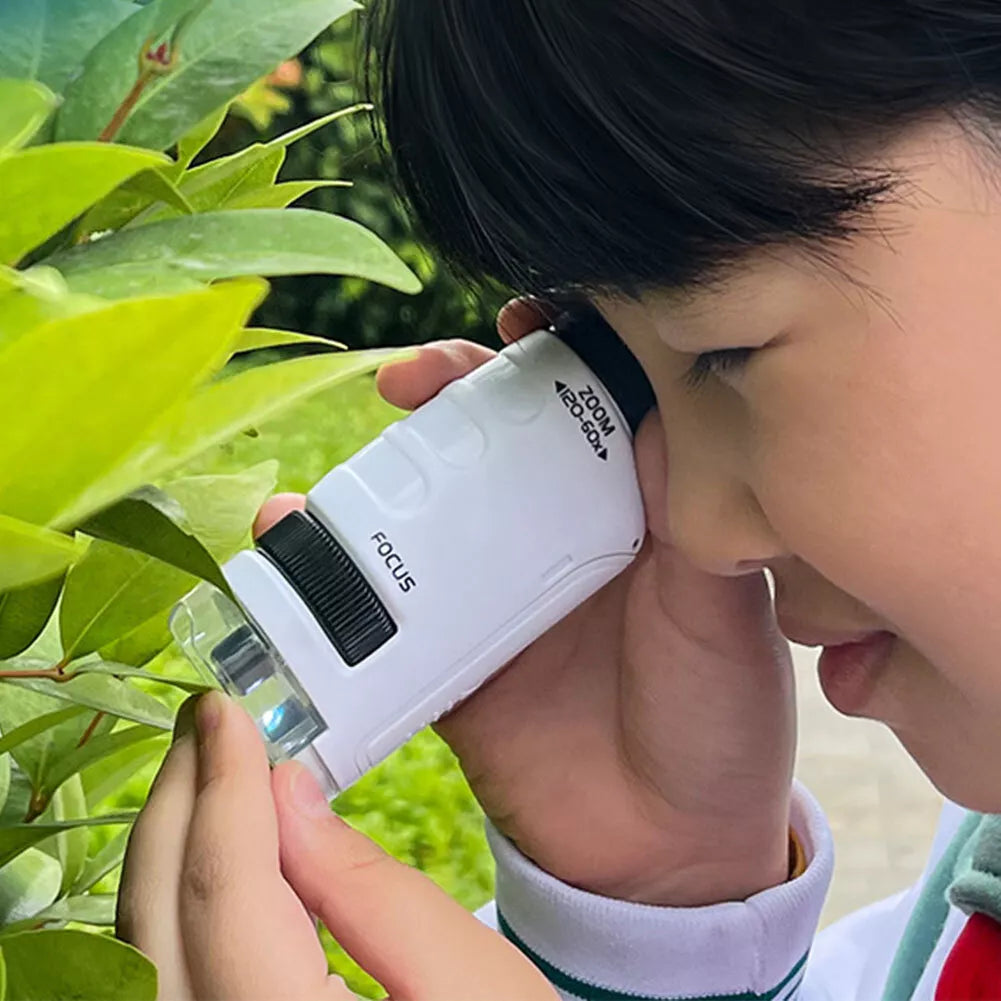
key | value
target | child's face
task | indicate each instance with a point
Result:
(858, 453)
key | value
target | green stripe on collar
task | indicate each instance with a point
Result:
(976, 888)
(591, 992)
(928, 916)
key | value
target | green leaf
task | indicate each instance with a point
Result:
(69, 803)
(5, 779)
(224, 408)
(213, 185)
(18, 837)
(24, 106)
(221, 509)
(41, 280)
(129, 285)
(157, 186)
(228, 46)
(96, 748)
(39, 296)
(140, 645)
(89, 909)
(151, 187)
(19, 793)
(293, 136)
(47, 40)
(151, 522)
(279, 196)
(147, 188)
(191, 144)
(248, 175)
(24, 613)
(110, 68)
(28, 553)
(112, 591)
(100, 692)
(75, 966)
(47, 647)
(226, 244)
(254, 338)
(28, 884)
(12, 738)
(106, 860)
(54, 735)
(108, 776)
(46, 187)
(67, 426)
(126, 671)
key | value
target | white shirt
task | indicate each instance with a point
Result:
(766, 947)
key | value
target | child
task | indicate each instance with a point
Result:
(790, 211)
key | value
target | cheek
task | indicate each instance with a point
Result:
(884, 473)
(824, 484)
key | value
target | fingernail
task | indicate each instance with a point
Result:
(184, 721)
(209, 712)
(307, 796)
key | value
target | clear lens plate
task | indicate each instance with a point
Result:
(226, 646)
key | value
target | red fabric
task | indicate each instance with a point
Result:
(972, 970)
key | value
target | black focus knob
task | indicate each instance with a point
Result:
(330, 583)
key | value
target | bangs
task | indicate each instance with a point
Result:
(591, 145)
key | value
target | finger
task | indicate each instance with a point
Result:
(407, 384)
(147, 914)
(406, 932)
(275, 508)
(245, 933)
(523, 316)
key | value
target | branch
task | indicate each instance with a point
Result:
(153, 62)
(89, 732)
(56, 673)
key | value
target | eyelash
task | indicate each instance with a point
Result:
(716, 363)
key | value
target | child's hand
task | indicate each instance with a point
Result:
(643, 747)
(227, 861)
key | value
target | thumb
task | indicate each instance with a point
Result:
(275, 508)
(401, 928)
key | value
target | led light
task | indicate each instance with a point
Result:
(284, 720)
(271, 717)
(231, 651)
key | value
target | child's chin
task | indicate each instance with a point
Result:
(972, 787)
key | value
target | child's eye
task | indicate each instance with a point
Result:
(716, 363)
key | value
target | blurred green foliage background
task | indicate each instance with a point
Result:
(347, 309)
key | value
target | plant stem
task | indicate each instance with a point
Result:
(89, 732)
(36, 807)
(125, 108)
(55, 673)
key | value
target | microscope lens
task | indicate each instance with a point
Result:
(243, 659)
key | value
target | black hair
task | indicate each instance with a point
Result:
(592, 145)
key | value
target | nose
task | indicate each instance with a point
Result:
(717, 522)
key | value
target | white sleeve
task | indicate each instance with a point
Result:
(851, 959)
(598, 949)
